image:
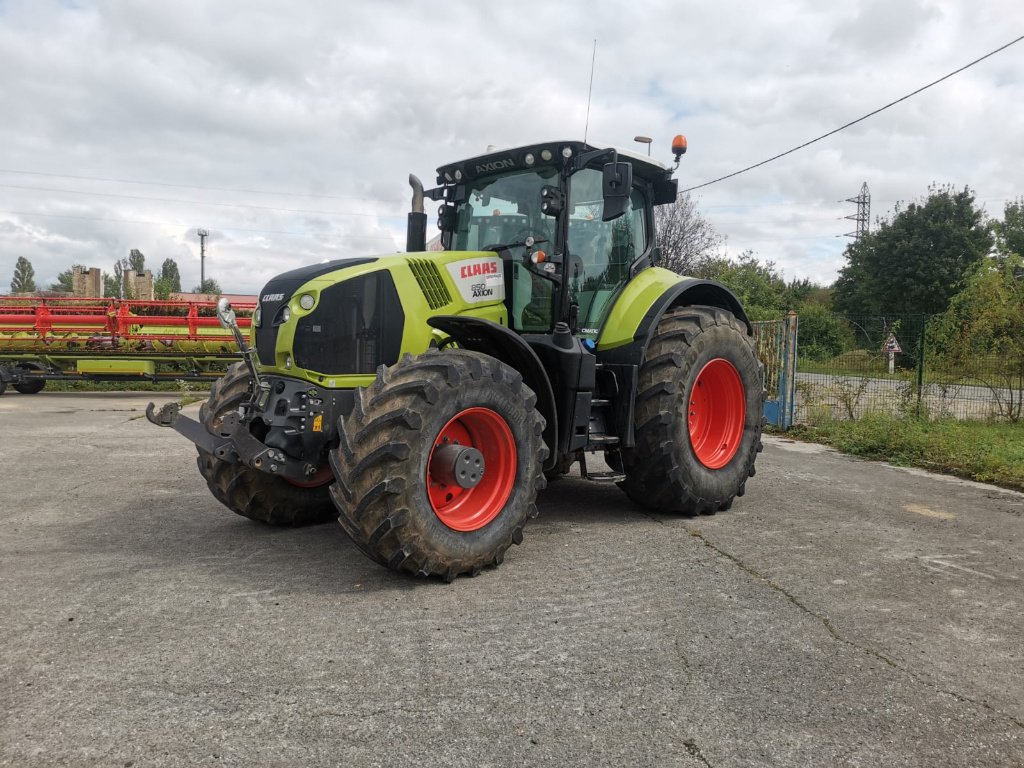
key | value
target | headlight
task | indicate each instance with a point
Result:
(257, 315)
(286, 315)
(306, 301)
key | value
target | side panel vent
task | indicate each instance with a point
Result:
(431, 283)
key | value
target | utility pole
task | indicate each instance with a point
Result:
(203, 234)
(863, 214)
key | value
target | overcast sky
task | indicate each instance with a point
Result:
(289, 129)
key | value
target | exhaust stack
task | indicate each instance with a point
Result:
(416, 229)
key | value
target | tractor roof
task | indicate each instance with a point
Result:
(548, 153)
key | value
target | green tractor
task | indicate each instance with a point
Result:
(424, 398)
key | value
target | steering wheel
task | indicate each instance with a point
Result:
(518, 241)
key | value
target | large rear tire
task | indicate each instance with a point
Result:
(698, 414)
(249, 492)
(439, 464)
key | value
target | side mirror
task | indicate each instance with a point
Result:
(665, 191)
(226, 314)
(616, 186)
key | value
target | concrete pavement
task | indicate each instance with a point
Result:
(842, 613)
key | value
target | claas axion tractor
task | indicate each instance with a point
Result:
(424, 398)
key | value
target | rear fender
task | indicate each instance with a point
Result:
(496, 340)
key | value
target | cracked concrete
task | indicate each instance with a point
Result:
(827, 624)
(824, 620)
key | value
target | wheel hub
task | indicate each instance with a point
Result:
(458, 465)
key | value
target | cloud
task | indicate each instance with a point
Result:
(345, 100)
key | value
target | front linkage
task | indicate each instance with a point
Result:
(281, 400)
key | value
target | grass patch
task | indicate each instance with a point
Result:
(118, 386)
(988, 453)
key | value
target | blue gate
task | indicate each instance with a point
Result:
(776, 347)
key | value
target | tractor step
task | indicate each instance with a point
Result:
(604, 477)
(601, 442)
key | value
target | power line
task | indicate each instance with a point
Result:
(179, 224)
(178, 186)
(190, 202)
(859, 119)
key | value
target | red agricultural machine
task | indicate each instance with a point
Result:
(112, 340)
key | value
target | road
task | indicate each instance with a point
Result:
(843, 613)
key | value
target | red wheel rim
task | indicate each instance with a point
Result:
(322, 476)
(470, 509)
(717, 414)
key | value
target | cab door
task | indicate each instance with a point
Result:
(600, 253)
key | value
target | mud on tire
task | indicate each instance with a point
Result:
(664, 471)
(383, 464)
(246, 491)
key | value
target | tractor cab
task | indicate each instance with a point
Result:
(573, 223)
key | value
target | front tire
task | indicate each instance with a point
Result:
(249, 492)
(698, 414)
(439, 464)
(33, 387)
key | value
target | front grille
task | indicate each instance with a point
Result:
(356, 327)
(278, 292)
(429, 278)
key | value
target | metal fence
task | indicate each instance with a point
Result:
(776, 347)
(851, 365)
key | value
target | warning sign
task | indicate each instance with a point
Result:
(891, 344)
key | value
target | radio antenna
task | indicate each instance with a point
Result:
(590, 91)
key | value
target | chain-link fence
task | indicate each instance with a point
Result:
(851, 365)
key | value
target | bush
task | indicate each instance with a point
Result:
(823, 335)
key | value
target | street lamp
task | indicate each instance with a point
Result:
(644, 140)
(203, 234)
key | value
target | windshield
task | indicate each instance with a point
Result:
(504, 209)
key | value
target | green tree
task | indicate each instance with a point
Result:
(801, 292)
(1009, 233)
(65, 281)
(24, 280)
(758, 285)
(115, 286)
(979, 336)
(823, 335)
(137, 260)
(917, 261)
(209, 285)
(170, 275)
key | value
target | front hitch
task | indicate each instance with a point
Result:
(240, 446)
